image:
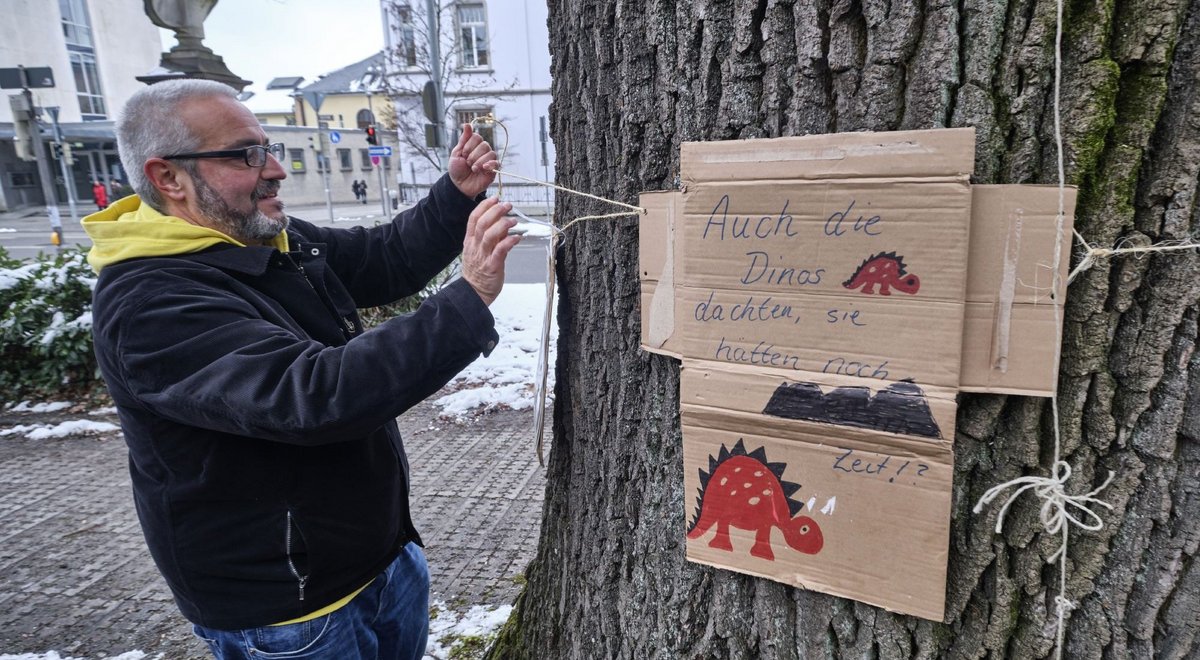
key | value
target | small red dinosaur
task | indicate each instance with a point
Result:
(745, 491)
(885, 269)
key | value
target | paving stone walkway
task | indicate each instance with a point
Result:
(75, 575)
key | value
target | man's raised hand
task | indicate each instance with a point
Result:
(472, 163)
(487, 246)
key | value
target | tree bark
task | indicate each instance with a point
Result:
(635, 78)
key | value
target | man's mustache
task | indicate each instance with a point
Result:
(266, 189)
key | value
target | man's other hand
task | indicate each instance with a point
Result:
(487, 246)
(472, 163)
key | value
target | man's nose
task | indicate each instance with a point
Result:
(273, 169)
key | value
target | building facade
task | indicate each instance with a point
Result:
(493, 57)
(95, 49)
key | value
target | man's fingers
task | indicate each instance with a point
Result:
(479, 151)
(494, 231)
(473, 229)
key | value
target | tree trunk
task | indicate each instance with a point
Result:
(634, 78)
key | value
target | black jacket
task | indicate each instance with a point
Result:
(268, 471)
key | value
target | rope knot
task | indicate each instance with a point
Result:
(1058, 509)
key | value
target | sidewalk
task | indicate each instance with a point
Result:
(75, 575)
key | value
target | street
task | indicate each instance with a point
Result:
(25, 234)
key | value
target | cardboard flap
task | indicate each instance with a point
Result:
(941, 152)
(1009, 333)
(656, 246)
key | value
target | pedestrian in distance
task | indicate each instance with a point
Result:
(100, 195)
(269, 474)
(356, 190)
(362, 187)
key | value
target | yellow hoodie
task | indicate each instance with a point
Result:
(130, 229)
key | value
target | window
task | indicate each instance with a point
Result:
(406, 49)
(320, 162)
(87, 86)
(365, 157)
(486, 132)
(296, 156)
(22, 180)
(386, 162)
(364, 118)
(76, 28)
(344, 160)
(77, 32)
(472, 36)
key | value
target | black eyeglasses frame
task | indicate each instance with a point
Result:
(275, 149)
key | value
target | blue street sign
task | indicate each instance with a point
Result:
(384, 150)
(335, 137)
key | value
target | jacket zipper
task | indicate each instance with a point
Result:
(302, 579)
(345, 320)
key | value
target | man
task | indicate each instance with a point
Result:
(268, 471)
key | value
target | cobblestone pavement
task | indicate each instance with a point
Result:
(75, 575)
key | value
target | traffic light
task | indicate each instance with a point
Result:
(371, 137)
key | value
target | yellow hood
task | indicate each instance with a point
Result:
(130, 229)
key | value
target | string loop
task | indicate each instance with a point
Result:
(1058, 507)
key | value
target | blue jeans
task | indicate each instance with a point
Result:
(389, 620)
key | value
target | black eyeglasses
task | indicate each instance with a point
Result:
(254, 155)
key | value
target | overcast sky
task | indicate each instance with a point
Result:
(265, 39)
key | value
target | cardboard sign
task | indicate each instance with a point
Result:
(829, 296)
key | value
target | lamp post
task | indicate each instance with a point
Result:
(369, 78)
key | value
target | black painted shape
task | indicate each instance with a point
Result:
(901, 408)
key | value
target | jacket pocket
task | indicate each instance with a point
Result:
(291, 536)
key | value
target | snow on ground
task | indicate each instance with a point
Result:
(7, 230)
(61, 430)
(470, 631)
(48, 407)
(506, 378)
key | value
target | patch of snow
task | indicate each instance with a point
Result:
(48, 407)
(107, 410)
(506, 378)
(7, 230)
(60, 326)
(448, 626)
(62, 430)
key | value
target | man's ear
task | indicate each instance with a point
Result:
(167, 177)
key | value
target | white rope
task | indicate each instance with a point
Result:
(1059, 509)
(1057, 504)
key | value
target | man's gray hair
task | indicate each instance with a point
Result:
(149, 127)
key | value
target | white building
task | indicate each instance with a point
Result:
(495, 58)
(95, 49)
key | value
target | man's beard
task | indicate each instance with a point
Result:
(254, 225)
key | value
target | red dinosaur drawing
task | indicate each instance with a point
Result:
(887, 270)
(745, 491)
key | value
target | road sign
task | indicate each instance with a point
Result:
(335, 137)
(384, 150)
(33, 77)
(374, 160)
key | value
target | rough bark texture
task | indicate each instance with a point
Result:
(634, 78)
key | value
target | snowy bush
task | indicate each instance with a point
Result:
(46, 324)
